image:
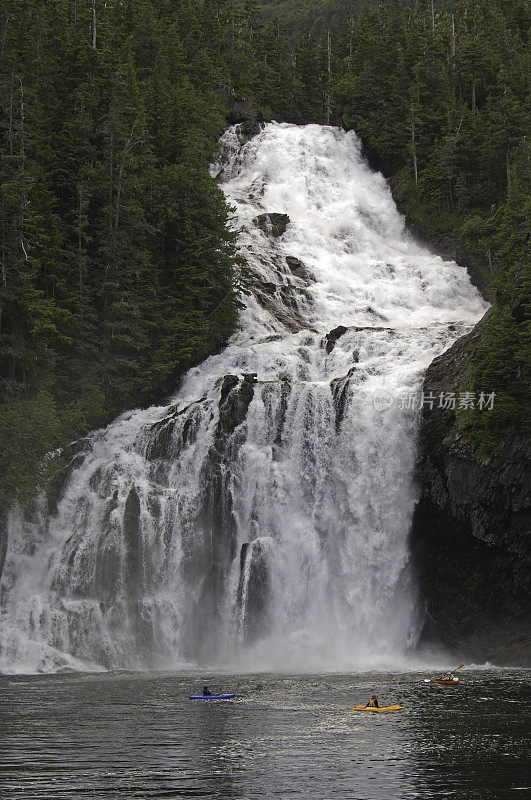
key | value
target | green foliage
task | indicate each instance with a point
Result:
(30, 428)
(118, 268)
(504, 359)
(315, 14)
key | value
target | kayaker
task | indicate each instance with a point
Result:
(373, 702)
(206, 692)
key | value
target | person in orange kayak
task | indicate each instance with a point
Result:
(373, 702)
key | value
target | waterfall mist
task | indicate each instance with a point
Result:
(260, 519)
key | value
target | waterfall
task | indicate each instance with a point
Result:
(260, 519)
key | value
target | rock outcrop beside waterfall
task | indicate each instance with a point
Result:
(243, 112)
(3, 541)
(470, 534)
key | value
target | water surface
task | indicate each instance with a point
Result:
(138, 736)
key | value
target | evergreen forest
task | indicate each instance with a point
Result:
(119, 269)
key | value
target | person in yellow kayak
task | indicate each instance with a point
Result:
(373, 702)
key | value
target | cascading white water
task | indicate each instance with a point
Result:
(260, 520)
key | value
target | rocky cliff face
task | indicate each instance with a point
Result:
(3, 540)
(470, 535)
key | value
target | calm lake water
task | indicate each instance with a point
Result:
(138, 736)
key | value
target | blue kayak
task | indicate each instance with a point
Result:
(212, 696)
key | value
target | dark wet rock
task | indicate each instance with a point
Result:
(163, 442)
(297, 268)
(110, 507)
(96, 479)
(333, 336)
(210, 562)
(108, 557)
(160, 442)
(139, 615)
(235, 399)
(285, 392)
(359, 328)
(228, 384)
(279, 301)
(339, 388)
(3, 540)
(470, 533)
(273, 224)
(254, 589)
(289, 297)
(269, 288)
(243, 556)
(133, 541)
(340, 395)
(154, 508)
(250, 128)
(274, 337)
(372, 311)
(189, 431)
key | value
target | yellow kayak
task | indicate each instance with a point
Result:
(381, 708)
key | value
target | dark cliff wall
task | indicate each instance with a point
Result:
(470, 534)
(3, 541)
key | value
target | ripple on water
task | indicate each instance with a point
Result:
(124, 737)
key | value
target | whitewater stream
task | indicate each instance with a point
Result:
(260, 518)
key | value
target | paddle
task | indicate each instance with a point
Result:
(455, 670)
(428, 680)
